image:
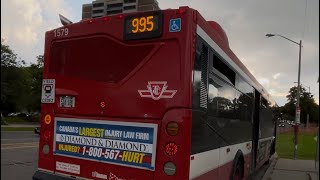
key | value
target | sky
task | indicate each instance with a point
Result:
(273, 61)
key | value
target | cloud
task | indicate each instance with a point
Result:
(276, 76)
(24, 23)
(264, 81)
(20, 21)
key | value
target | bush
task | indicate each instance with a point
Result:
(3, 122)
(8, 120)
(13, 119)
(34, 118)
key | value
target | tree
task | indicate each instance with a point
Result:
(11, 80)
(8, 58)
(307, 105)
(303, 94)
(36, 83)
(20, 85)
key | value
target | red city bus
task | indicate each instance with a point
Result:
(150, 95)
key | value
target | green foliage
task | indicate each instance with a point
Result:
(17, 128)
(20, 84)
(8, 58)
(35, 71)
(307, 106)
(306, 146)
(13, 119)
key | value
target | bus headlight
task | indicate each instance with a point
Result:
(45, 149)
(169, 168)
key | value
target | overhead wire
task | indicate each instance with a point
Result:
(304, 19)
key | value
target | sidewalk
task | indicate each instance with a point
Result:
(282, 169)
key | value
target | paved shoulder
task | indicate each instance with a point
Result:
(292, 169)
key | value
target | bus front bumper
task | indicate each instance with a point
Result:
(42, 175)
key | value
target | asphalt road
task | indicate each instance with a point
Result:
(19, 155)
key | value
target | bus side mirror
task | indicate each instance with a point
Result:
(64, 20)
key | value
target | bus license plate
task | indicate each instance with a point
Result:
(67, 101)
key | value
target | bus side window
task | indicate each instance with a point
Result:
(266, 120)
(196, 77)
(213, 96)
(245, 100)
(200, 76)
(212, 93)
(222, 104)
(203, 137)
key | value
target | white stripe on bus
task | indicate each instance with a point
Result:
(207, 161)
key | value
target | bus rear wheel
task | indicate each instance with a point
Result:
(237, 173)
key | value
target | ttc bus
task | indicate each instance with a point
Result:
(150, 95)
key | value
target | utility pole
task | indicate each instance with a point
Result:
(297, 118)
(307, 122)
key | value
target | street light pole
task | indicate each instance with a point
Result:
(298, 92)
(304, 86)
(297, 120)
(297, 115)
(301, 85)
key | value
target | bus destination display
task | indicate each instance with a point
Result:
(143, 26)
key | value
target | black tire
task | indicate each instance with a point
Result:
(237, 171)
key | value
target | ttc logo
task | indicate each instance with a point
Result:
(157, 90)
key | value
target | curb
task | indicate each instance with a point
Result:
(313, 176)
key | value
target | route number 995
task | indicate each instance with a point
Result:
(143, 24)
(61, 32)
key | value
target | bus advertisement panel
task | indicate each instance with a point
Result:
(126, 144)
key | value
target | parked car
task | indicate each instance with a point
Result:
(37, 130)
(281, 125)
(18, 114)
(12, 114)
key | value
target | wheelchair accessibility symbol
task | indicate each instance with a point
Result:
(175, 25)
